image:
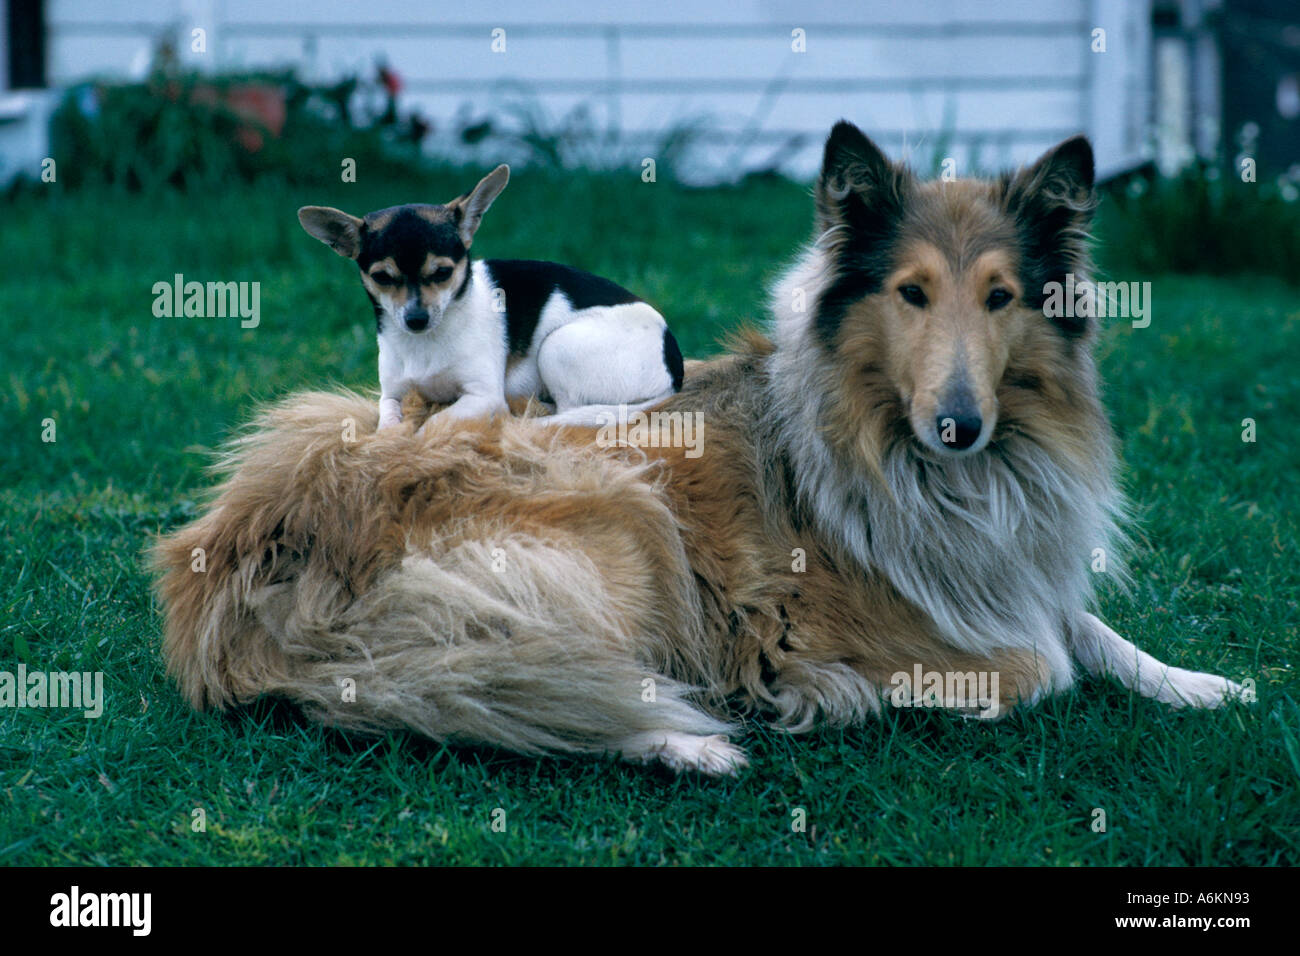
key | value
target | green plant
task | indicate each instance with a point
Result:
(200, 133)
(1200, 221)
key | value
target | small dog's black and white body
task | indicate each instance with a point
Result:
(475, 333)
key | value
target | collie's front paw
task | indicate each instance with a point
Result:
(1184, 688)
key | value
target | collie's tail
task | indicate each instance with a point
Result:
(383, 580)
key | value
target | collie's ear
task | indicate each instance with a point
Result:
(1063, 176)
(334, 227)
(1052, 202)
(858, 187)
(470, 209)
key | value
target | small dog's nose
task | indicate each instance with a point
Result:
(959, 430)
(417, 321)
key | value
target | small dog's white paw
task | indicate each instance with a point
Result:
(714, 755)
(1184, 688)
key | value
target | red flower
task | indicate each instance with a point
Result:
(262, 104)
(249, 138)
(392, 82)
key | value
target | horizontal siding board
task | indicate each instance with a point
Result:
(70, 12)
(734, 61)
(967, 112)
(688, 12)
(78, 58)
(863, 56)
(676, 30)
(434, 60)
(932, 114)
(729, 85)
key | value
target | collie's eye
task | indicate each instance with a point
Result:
(998, 298)
(912, 295)
(384, 278)
(439, 275)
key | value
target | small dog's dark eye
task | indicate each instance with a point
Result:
(912, 295)
(439, 275)
(998, 298)
(384, 278)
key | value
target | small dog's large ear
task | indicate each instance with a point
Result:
(470, 209)
(1052, 202)
(334, 227)
(858, 187)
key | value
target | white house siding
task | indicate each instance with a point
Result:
(987, 83)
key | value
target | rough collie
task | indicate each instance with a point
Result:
(898, 498)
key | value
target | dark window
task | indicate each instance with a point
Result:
(26, 43)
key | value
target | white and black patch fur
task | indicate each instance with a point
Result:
(525, 328)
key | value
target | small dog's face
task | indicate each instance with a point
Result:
(413, 259)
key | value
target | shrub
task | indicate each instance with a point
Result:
(1200, 222)
(196, 132)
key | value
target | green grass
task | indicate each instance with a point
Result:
(140, 400)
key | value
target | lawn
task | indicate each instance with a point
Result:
(139, 402)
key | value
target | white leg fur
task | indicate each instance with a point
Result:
(1101, 651)
(714, 755)
(470, 405)
(390, 412)
(595, 416)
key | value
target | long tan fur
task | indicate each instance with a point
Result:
(475, 584)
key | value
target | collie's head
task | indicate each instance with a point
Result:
(923, 304)
(941, 426)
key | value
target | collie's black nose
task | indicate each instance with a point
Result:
(417, 321)
(959, 430)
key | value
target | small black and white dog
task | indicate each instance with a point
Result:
(477, 333)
